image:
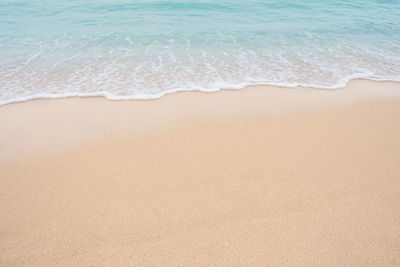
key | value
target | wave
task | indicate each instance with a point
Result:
(110, 96)
(144, 50)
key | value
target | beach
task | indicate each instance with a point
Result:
(260, 176)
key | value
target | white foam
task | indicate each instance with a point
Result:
(156, 69)
(341, 84)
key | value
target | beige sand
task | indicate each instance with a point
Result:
(261, 176)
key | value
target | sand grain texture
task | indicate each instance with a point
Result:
(262, 176)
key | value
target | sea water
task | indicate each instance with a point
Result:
(146, 48)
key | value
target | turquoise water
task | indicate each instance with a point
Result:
(143, 49)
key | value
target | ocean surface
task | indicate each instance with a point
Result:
(146, 48)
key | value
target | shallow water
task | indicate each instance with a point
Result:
(143, 49)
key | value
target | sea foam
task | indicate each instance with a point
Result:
(146, 49)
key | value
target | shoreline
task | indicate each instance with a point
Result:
(243, 86)
(263, 175)
(225, 105)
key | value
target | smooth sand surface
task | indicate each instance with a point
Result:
(260, 176)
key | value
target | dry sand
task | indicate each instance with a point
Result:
(261, 176)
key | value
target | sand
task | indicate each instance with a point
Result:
(260, 176)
